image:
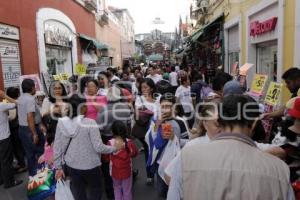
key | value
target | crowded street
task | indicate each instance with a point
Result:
(140, 100)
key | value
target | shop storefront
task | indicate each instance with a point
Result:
(10, 55)
(57, 42)
(208, 47)
(58, 48)
(94, 54)
(263, 38)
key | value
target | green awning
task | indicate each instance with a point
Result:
(96, 43)
(156, 57)
(197, 34)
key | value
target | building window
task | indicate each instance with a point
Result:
(233, 46)
(233, 57)
(267, 60)
(58, 59)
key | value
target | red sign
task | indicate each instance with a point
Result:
(259, 28)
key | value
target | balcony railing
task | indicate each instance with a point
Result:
(91, 5)
(102, 18)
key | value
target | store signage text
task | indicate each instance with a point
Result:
(57, 34)
(259, 28)
(10, 52)
(11, 75)
(9, 32)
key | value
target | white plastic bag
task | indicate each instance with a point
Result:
(170, 152)
(63, 191)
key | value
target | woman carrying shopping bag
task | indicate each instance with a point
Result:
(78, 145)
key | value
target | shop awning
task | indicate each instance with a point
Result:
(213, 22)
(197, 34)
(96, 43)
(156, 57)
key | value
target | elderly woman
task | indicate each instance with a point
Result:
(78, 144)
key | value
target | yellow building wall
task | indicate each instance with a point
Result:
(289, 35)
(232, 10)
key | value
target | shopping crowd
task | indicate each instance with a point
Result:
(202, 138)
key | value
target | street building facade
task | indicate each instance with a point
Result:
(261, 32)
(51, 37)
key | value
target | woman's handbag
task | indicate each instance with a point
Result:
(142, 118)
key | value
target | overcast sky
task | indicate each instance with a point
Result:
(145, 11)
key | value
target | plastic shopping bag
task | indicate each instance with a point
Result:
(63, 191)
(170, 152)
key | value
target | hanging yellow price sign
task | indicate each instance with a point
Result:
(273, 94)
(64, 76)
(56, 77)
(258, 83)
(80, 69)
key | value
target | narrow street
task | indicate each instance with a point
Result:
(140, 190)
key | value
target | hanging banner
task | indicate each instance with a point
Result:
(258, 83)
(35, 78)
(273, 94)
(80, 69)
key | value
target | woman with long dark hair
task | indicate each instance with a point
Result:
(150, 104)
(55, 104)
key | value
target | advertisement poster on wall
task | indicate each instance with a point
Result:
(35, 78)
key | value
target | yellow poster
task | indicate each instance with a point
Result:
(273, 94)
(56, 77)
(80, 69)
(64, 76)
(258, 83)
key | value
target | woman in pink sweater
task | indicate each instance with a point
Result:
(94, 102)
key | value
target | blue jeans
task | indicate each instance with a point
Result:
(32, 151)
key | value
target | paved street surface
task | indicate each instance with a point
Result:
(141, 190)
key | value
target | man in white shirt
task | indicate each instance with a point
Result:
(153, 75)
(111, 75)
(173, 78)
(6, 154)
(183, 95)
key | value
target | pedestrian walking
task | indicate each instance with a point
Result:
(184, 97)
(6, 151)
(29, 131)
(209, 170)
(121, 162)
(78, 145)
(18, 150)
(146, 107)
